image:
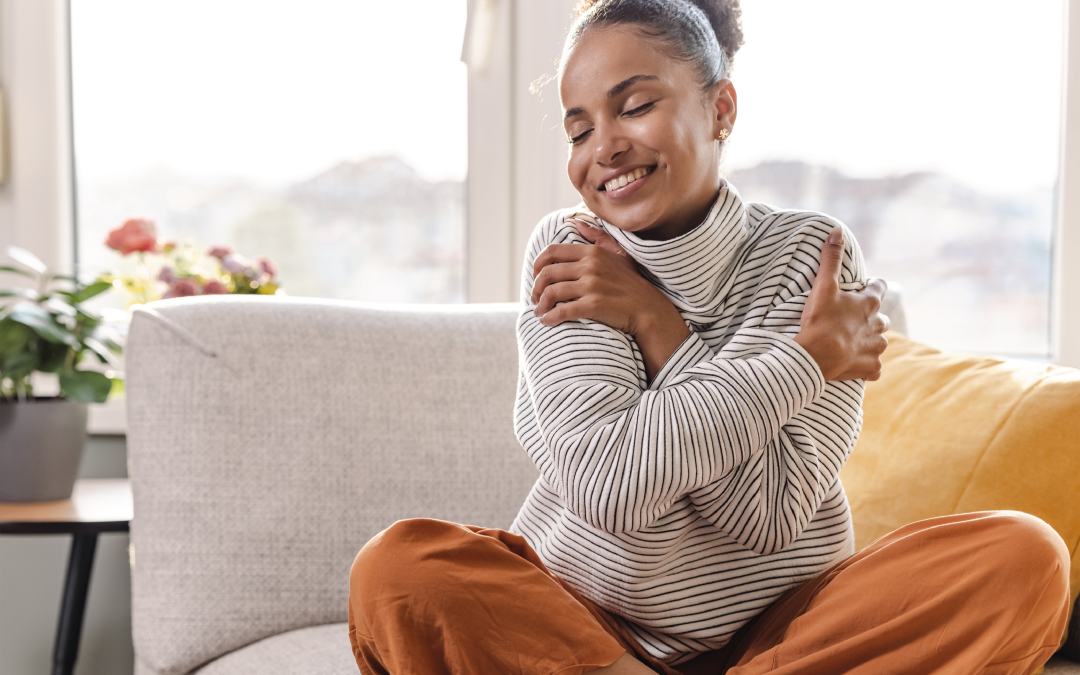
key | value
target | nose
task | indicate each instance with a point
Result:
(611, 143)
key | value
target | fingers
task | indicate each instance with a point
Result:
(868, 367)
(599, 237)
(876, 287)
(558, 253)
(879, 323)
(553, 274)
(832, 257)
(874, 365)
(556, 293)
(571, 310)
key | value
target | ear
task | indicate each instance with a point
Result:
(724, 104)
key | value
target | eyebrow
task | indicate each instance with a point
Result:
(614, 91)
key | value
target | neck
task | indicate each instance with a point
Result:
(686, 220)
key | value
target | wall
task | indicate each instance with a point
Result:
(32, 571)
(36, 199)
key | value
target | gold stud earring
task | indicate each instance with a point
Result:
(724, 133)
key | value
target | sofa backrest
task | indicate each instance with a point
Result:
(270, 438)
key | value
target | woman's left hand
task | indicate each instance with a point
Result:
(603, 284)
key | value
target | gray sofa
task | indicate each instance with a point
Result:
(270, 438)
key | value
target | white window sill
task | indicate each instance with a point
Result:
(109, 418)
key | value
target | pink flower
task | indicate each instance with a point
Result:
(219, 252)
(214, 287)
(137, 234)
(267, 266)
(235, 264)
(165, 275)
(184, 287)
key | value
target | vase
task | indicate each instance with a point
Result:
(41, 443)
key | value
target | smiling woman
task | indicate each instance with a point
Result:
(692, 369)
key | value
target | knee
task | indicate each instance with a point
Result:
(395, 559)
(1027, 547)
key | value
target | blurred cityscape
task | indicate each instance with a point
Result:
(974, 269)
(371, 230)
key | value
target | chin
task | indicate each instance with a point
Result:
(634, 218)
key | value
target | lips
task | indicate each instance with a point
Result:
(626, 178)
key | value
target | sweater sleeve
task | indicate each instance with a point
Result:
(620, 452)
(767, 501)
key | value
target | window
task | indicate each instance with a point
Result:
(327, 135)
(931, 129)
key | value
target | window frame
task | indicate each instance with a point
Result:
(1065, 284)
(517, 149)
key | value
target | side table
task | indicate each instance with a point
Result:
(96, 506)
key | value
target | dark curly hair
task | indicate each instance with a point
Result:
(706, 33)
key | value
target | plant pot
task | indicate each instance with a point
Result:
(41, 443)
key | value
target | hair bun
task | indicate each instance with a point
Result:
(725, 17)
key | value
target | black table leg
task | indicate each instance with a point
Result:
(73, 605)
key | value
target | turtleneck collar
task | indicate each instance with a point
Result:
(694, 269)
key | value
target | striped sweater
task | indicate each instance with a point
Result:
(685, 505)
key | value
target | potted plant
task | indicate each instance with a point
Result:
(45, 328)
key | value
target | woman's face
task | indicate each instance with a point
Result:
(643, 151)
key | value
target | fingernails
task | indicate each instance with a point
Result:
(836, 237)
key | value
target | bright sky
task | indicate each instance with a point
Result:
(279, 90)
(967, 87)
(275, 90)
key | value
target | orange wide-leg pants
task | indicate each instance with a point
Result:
(979, 593)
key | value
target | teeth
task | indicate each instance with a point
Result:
(625, 179)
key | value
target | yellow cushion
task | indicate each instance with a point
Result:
(953, 433)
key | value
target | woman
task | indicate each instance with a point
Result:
(692, 374)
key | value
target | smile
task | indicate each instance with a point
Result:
(629, 177)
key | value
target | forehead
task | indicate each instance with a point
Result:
(608, 55)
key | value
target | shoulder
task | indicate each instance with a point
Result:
(554, 228)
(790, 237)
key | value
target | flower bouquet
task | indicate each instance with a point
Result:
(172, 270)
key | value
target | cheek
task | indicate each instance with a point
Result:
(685, 146)
(577, 168)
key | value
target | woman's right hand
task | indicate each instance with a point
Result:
(842, 330)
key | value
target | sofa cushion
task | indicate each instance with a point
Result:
(953, 433)
(318, 650)
(1060, 666)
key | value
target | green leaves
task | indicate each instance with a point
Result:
(17, 270)
(85, 386)
(18, 355)
(103, 352)
(43, 323)
(93, 290)
(46, 329)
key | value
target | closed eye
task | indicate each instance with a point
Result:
(640, 110)
(580, 137)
